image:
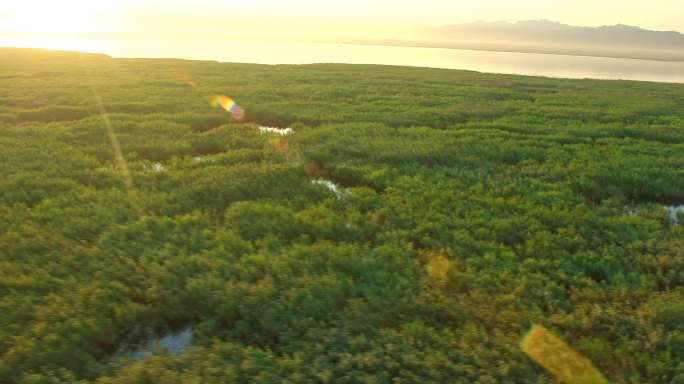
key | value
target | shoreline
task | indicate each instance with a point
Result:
(512, 62)
(371, 42)
(465, 47)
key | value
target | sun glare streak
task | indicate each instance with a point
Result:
(118, 154)
(557, 357)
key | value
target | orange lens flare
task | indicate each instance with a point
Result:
(282, 146)
(188, 80)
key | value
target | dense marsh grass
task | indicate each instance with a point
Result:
(469, 207)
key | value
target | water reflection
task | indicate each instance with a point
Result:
(282, 52)
(279, 131)
(674, 212)
(80, 44)
(336, 189)
(173, 343)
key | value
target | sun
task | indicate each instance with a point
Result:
(53, 18)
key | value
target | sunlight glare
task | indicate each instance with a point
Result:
(80, 44)
(62, 17)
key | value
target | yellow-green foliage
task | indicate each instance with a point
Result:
(470, 206)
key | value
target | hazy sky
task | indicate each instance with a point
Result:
(381, 18)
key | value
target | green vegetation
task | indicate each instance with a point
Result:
(472, 207)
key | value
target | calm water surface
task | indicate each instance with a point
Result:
(268, 52)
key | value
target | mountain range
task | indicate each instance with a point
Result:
(544, 36)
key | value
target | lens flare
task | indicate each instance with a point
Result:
(438, 267)
(228, 104)
(557, 357)
(282, 146)
(188, 80)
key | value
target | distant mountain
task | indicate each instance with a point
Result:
(552, 37)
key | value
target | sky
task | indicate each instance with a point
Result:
(348, 18)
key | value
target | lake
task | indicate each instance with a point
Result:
(282, 52)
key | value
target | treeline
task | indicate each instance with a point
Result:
(468, 207)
